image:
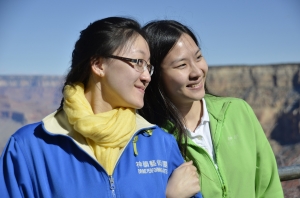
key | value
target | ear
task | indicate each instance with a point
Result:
(97, 67)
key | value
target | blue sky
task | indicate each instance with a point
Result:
(37, 37)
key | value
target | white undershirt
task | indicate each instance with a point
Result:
(202, 136)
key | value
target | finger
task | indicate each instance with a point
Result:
(191, 167)
(187, 163)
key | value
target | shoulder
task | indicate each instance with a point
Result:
(163, 144)
(155, 130)
(219, 101)
(27, 131)
(162, 133)
(155, 137)
(229, 107)
(24, 139)
(222, 99)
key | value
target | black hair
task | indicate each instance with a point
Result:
(100, 39)
(162, 35)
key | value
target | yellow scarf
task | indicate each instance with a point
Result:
(106, 133)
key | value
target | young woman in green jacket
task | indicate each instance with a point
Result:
(220, 134)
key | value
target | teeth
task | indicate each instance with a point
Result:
(196, 85)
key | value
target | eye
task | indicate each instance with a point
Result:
(181, 66)
(199, 57)
(140, 62)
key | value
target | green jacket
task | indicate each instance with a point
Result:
(246, 163)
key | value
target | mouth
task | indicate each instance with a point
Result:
(196, 85)
(141, 88)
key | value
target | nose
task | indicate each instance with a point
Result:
(196, 70)
(145, 77)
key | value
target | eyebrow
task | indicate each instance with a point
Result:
(142, 52)
(181, 59)
(177, 60)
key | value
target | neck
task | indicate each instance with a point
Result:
(192, 113)
(93, 95)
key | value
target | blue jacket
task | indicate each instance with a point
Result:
(49, 159)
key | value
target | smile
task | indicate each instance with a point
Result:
(141, 88)
(195, 85)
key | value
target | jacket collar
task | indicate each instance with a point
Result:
(57, 123)
(217, 107)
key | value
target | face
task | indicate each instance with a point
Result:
(184, 71)
(123, 85)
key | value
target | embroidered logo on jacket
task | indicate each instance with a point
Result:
(152, 166)
(234, 137)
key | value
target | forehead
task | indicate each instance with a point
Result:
(185, 46)
(136, 44)
(186, 43)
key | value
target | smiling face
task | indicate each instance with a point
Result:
(122, 85)
(184, 71)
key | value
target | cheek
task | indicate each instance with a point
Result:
(123, 77)
(172, 83)
(205, 67)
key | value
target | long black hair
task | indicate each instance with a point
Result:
(162, 35)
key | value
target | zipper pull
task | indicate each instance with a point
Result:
(112, 185)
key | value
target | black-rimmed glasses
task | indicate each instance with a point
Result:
(139, 65)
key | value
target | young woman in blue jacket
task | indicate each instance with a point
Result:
(95, 144)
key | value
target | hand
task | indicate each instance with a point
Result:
(184, 181)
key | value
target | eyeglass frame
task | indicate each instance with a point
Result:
(129, 61)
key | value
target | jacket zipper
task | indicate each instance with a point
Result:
(224, 190)
(111, 179)
(224, 194)
(216, 167)
(112, 186)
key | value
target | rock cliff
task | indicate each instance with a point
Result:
(26, 99)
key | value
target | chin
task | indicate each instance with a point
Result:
(197, 98)
(201, 95)
(137, 105)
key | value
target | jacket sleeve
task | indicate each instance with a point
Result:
(177, 159)
(15, 179)
(267, 182)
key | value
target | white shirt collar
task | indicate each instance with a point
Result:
(205, 116)
(204, 119)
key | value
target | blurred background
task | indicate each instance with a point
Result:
(252, 49)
